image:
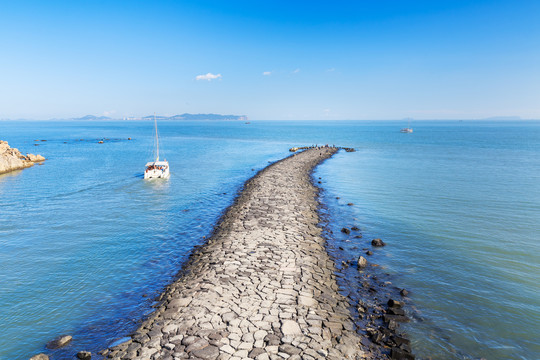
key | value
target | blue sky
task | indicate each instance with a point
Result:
(384, 59)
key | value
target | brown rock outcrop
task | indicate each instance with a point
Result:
(11, 158)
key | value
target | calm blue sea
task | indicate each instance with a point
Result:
(86, 244)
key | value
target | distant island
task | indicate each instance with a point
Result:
(185, 116)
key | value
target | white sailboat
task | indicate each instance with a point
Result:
(408, 129)
(157, 169)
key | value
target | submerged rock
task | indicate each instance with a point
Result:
(84, 355)
(377, 242)
(400, 354)
(59, 342)
(346, 231)
(404, 292)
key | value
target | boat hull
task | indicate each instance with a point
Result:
(156, 174)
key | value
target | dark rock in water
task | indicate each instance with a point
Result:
(369, 252)
(395, 303)
(401, 341)
(84, 355)
(396, 311)
(392, 325)
(358, 236)
(399, 354)
(350, 204)
(362, 262)
(377, 242)
(39, 356)
(59, 342)
(396, 318)
(337, 197)
(341, 248)
(346, 231)
(376, 337)
(385, 331)
(319, 182)
(129, 138)
(355, 228)
(404, 292)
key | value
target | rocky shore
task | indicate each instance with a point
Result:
(11, 158)
(262, 287)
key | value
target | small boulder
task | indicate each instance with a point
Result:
(377, 242)
(355, 228)
(39, 356)
(404, 292)
(84, 355)
(350, 204)
(362, 262)
(59, 342)
(35, 158)
(346, 231)
(395, 303)
(396, 311)
(369, 252)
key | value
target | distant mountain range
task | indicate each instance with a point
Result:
(185, 116)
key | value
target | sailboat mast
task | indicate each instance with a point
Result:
(157, 138)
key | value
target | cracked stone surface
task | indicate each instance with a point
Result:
(262, 287)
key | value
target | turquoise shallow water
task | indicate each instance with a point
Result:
(83, 237)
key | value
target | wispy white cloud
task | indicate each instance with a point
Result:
(208, 77)
(331, 70)
(296, 71)
(267, 73)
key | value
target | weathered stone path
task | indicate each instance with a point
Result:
(263, 287)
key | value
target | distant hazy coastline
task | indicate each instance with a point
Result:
(185, 116)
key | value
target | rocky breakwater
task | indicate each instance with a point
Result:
(262, 287)
(11, 158)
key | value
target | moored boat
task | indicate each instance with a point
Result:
(157, 169)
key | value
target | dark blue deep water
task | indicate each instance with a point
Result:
(86, 244)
